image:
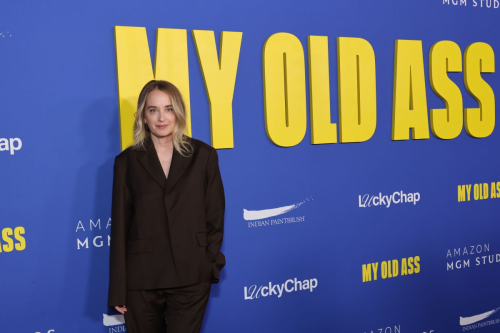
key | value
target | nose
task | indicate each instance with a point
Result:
(162, 116)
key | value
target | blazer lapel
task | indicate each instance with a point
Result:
(177, 167)
(149, 159)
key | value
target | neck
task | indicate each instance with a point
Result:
(164, 143)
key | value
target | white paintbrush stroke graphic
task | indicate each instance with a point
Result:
(474, 319)
(112, 320)
(250, 215)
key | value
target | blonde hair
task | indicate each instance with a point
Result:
(141, 131)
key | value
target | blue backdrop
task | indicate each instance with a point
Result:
(58, 88)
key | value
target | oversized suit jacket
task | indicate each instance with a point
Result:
(165, 232)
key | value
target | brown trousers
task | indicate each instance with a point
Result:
(182, 307)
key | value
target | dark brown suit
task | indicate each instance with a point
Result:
(165, 232)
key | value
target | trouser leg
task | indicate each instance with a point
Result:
(145, 311)
(186, 307)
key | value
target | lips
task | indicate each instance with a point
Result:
(161, 126)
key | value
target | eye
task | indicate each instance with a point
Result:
(152, 110)
(170, 110)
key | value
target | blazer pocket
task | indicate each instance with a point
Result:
(139, 245)
(202, 238)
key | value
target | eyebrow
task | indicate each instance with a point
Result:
(152, 106)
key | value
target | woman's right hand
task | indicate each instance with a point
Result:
(121, 309)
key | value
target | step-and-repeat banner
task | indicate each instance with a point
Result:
(357, 143)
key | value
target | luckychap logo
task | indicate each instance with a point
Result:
(397, 197)
(116, 323)
(259, 218)
(10, 144)
(478, 321)
(289, 286)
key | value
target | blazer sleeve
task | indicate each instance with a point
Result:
(121, 214)
(214, 214)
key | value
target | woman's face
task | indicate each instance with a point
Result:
(159, 114)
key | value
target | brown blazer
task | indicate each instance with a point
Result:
(165, 232)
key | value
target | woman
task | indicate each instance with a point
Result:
(167, 220)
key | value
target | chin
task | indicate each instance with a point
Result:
(162, 135)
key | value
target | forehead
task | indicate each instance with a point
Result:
(158, 97)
